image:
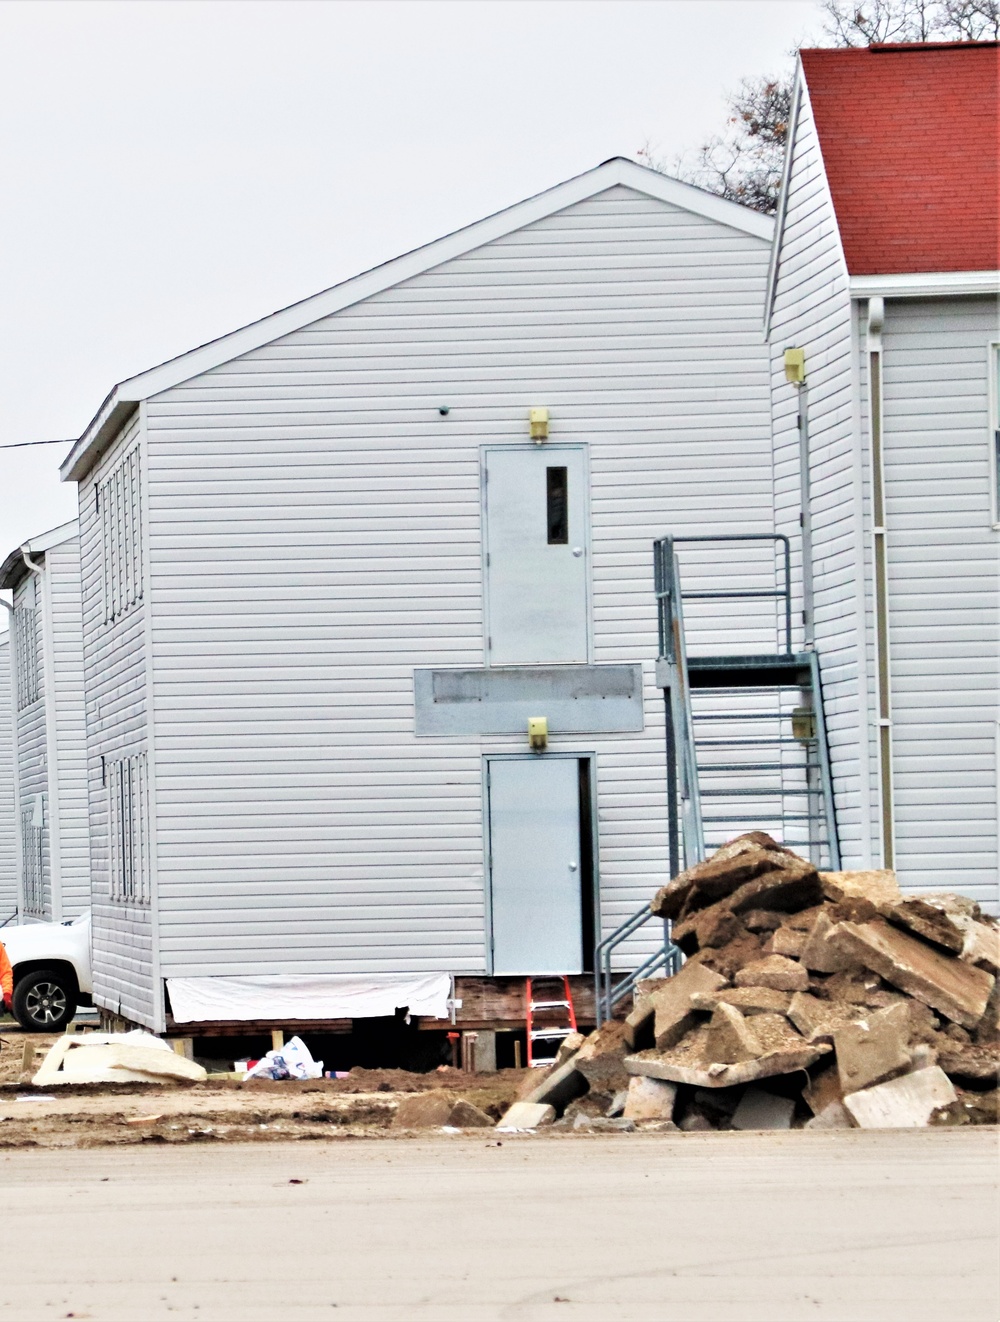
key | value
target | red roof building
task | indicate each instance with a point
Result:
(910, 137)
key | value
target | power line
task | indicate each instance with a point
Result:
(20, 445)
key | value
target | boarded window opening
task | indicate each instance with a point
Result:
(32, 863)
(25, 656)
(128, 859)
(557, 505)
(119, 504)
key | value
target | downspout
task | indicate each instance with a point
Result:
(16, 768)
(805, 521)
(51, 739)
(880, 573)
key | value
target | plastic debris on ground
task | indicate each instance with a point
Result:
(292, 1061)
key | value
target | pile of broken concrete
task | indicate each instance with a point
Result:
(807, 999)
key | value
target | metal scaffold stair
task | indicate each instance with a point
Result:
(745, 731)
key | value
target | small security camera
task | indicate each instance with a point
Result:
(444, 409)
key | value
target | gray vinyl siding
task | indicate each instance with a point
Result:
(8, 824)
(32, 750)
(944, 592)
(812, 311)
(314, 531)
(62, 571)
(115, 686)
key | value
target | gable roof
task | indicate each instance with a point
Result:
(910, 138)
(122, 400)
(14, 569)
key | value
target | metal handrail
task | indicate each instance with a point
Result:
(663, 550)
(682, 766)
(606, 993)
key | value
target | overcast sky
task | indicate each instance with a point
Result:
(171, 171)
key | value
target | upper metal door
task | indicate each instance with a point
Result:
(536, 901)
(536, 556)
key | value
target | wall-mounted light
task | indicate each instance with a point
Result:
(538, 733)
(795, 366)
(539, 425)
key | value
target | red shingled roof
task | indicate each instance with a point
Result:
(910, 137)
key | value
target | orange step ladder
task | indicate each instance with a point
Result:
(550, 1019)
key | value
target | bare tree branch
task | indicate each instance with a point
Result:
(744, 162)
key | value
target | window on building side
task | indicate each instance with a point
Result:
(31, 861)
(26, 660)
(128, 842)
(119, 507)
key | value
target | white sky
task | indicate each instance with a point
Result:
(174, 169)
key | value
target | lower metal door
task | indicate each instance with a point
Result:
(535, 856)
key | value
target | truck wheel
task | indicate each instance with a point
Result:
(44, 1001)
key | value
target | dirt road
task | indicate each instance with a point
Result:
(841, 1227)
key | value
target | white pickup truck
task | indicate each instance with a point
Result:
(52, 976)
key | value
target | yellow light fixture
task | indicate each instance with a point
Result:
(538, 733)
(539, 425)
(795, 366)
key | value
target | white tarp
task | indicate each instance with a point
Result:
(299, 996)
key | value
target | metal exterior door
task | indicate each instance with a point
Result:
(534, 835)
(536, 556)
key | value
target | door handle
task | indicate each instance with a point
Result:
(578, 551)
(572, 867)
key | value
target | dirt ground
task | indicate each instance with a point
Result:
(220, 1109)
(224, 1109)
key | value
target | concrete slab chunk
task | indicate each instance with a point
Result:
(731, 1037)
(957, 990)
(877, 885)
(558, 1086)
(818, 1020)
(834, 1115)
(789, 942)
(819, 954)
(937, 918)
(527, 1115)
(649, 1099)
(981, 946)
(773, 971)
(759, 1109)
(673, 1012)
(688, 1062)
(872, 1050)
(737, 861)
(748, 1000)
(903, 1103)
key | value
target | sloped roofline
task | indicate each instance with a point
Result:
(800, 96)
(13, 568)
(125, 396)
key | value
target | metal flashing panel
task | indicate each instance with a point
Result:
(574, 699)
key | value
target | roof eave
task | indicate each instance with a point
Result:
(779, 219)
(102, 430)
(14, 569)
(925, 284)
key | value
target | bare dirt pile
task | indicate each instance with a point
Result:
(824, 1000)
